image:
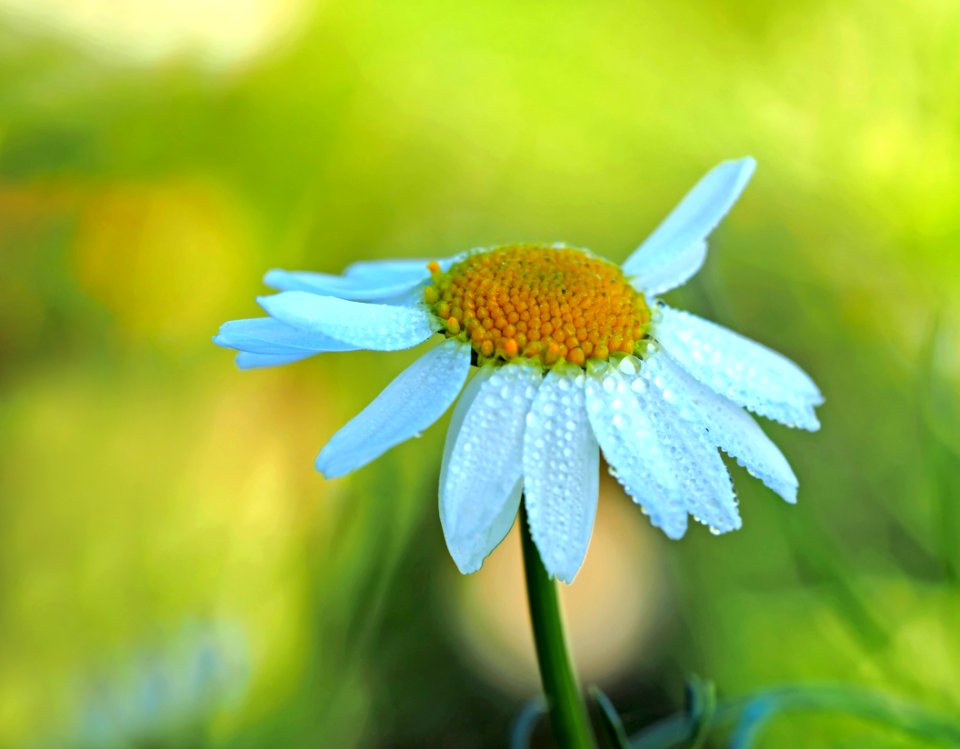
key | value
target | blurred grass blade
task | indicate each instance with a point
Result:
(526, 723)
(753, 720)
(752, 713)
(610, 721)
(701, 706)
(940, 410)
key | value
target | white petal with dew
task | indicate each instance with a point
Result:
(629, 441)
(389, 271)
(481, 475)
(264, 335)
(691, 458)
(746, 372)
(726, 425)
(378, 327)
(676, 249)
(246, 360)
(410, 404)
(360, 288)
(394, 271)
(561, 473)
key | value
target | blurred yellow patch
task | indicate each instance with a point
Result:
(167, 502)
(164, 258)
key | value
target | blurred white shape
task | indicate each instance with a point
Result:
(163, 694)
(217, 33)
(613, 612)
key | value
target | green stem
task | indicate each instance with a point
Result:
(568, 712)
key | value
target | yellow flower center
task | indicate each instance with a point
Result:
(540, 302)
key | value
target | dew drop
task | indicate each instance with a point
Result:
(628, 366)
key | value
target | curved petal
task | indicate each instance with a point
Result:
(692, 459)
(378, 327)
(398, 270)
(481, 476)
(412, 402)
(246, 360)
(676, 249)
(359, 288)
(389, 271)
(727, 425)
(264, 335)
(629, 441)
(746, 372)
(561, 473)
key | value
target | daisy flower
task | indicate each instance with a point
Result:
(571, 355)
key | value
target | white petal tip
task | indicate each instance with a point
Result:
(723, 529)
(744, 168)
(270, 276)
(562, 572)
(786, 492)
(810, 424)
(468, 567)
(674, 534)
(467, 560)
(328, 468)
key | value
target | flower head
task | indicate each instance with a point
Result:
(573, 355)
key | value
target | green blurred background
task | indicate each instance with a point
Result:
(172, 570)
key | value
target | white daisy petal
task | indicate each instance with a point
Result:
(692, 459)
(561, 473)
(460, 412)
(412, 298)
(360, 288)
(411, 403)
(378, 327)
(387, 272)
(746, 372)
(246, 360)
(630, 443)
(481, 475)
(264, 335)
(666, 274)
(727, 425)
(676, 249)
(394, 271)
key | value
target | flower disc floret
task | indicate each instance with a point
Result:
(540, 302)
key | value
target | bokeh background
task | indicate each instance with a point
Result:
(173, 573)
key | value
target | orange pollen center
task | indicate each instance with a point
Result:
(539, 302)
